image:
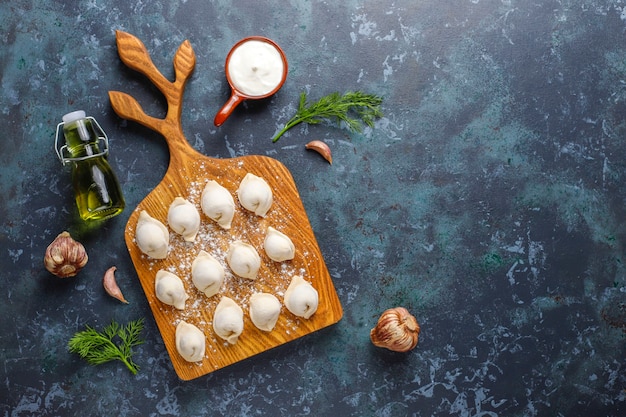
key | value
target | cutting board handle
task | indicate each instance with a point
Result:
(134, 54)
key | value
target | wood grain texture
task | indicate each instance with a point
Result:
(187, 173)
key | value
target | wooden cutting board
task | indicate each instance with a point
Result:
(187, 173)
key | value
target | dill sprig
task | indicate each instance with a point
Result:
(115, 342)
(352, 108)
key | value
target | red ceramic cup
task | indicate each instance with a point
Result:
(253, 56)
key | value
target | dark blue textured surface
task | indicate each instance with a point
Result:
(489, 201)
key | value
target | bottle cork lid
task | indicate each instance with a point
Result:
(75, 115)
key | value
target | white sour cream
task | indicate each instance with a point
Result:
(255, 68)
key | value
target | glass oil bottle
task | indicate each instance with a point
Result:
(85, 148)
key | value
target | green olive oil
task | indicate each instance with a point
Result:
(97, 191)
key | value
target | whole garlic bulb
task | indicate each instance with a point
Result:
(65, 257)
(396, 330)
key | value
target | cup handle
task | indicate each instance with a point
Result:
(227, 108)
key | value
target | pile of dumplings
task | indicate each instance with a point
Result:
(208, 274)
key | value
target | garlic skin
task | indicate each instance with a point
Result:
(152, 236)
(65, 257)
(278, 246)
(207, 273)
(301, 299)
(190, 342)
(110, 285)
(264, 310)
(255, 194)
(396, 330)
(184, 219)
(243, 260)
(169, 289)
(228, 320)
(218, 204)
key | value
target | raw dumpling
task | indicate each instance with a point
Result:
(207, 273)
(301, 298)
(243, 260)
(190, 342)
(218, 204)
(184, 219)
(278, 246)
(264, 310)
(152, 236)
(255, 194)
(228, 320)
(170, 290)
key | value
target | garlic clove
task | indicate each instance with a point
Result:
(396, 330)
(321, 148)
(65, 257)
(110, 285)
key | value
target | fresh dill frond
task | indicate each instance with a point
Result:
(353, 108)
(115, 342)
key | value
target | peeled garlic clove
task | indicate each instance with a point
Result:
(243, 260)
(396, 330)
(152, 236)
(218, 204)
(228, 320)
(278, 246)
(65, 257)
(255, 194)
(301, 299)
(190, 342)
(110, 285)
(321, 148)
(184, 219)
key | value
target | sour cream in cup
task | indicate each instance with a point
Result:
(256, 68)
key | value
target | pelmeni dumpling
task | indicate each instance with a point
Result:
(228, 320)
(255, 194)
(301, 298)
(190, 342)
(207, 273)
(184, 219)
(243, 260)
(264, 310)
(278, 246)
(170, 290)
(218, 204)
(152, 236)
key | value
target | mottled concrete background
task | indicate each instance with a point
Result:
(489, 201)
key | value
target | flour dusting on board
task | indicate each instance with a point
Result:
(273, 277)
